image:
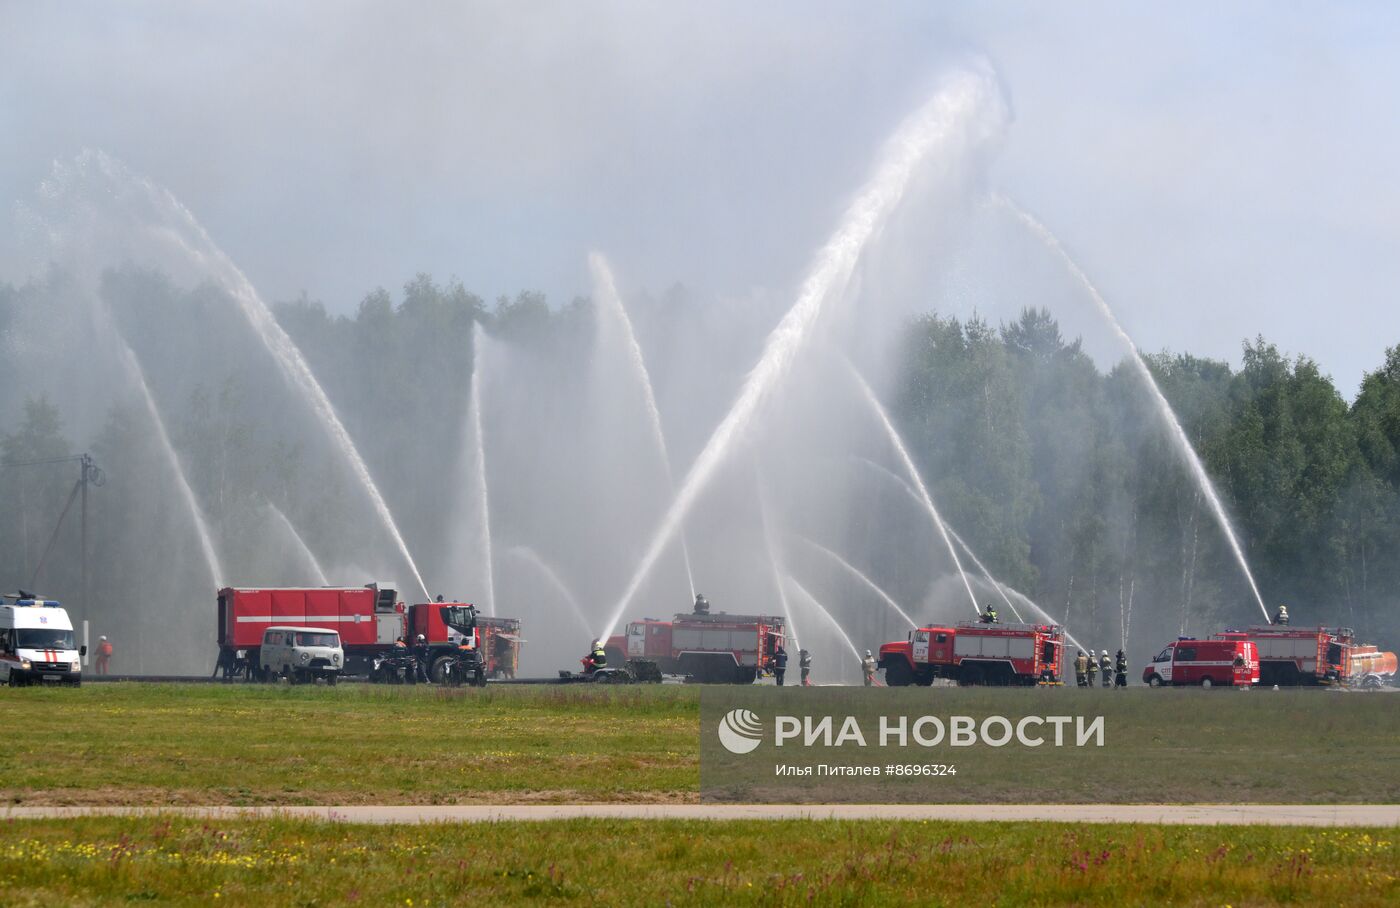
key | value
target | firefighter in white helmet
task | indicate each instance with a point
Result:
(1281, 616)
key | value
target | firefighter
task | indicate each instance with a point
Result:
(440, 598)
(989, 616)
(804, 662)
(702, 605)
(1120, 670)
(597, 658)
(867, 667)
(780, 664)
(1281, 616)
(1081, 667)
(1091, 671)
(1106, 668)
(421, 657)
(104, 655)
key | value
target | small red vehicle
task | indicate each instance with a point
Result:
(1223, 660)
(714, 648)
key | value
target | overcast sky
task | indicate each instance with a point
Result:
(1219, 173)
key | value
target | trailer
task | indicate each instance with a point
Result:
(976, 653)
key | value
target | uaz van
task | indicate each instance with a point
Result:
(301, 654)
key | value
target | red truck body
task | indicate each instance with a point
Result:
(714, 648)
(976, 653)
(1225, 660)
(368, 618)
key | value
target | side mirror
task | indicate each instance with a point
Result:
(82, 650)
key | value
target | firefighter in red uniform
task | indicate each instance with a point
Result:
(104, 655)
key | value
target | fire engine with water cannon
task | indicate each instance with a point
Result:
(711, 648)
(976, 653)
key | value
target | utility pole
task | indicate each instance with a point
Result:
(90, 474)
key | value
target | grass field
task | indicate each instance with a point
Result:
(270, 862)
(353, 744)
(144, 744)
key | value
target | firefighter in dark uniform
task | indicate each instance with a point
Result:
(1091, 671)
(1106, 669)
(1081, 668)
(1281, 616)
(1120, 670)
(422, 655)
(702, 605)
(989, 616)
(780, 664)
(598, 657)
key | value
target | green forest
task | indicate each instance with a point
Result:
(1059, 474)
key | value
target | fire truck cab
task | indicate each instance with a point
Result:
(37, 645)
(1224, 660)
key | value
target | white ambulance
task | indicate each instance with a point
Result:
(37, 645)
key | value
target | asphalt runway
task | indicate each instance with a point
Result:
(1155, 814)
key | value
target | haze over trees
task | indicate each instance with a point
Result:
(1057, 473)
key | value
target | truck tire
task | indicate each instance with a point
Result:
(1207, 683)
(898, 673)
(970, 675)
(435, 669)
(1154, 681)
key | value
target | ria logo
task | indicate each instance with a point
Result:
(740, 731)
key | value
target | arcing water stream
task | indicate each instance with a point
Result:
(175, 226)
(821, 609)
(531, 557)
(483, 495)
(610, 303)
(927, 500)
(861, 576)
(307, 555)
(206, 540)
(947, 117)
(1164, 409)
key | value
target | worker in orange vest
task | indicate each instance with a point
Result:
(104, 655)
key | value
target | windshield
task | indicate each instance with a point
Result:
(305, 639)
(43, 638)
(1164, 656)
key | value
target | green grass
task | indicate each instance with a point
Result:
(253, 744)
(140, 744)
(281, 862)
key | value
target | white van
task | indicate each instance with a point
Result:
(301, 654)
(36, 644)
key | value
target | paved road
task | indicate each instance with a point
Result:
(1208, 814)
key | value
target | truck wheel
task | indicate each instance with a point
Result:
(332, 678)
(898, 674)
(1207, 683)
(435, 668)
(1154, 681)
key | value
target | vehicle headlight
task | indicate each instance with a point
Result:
(306, 657)
(335, 658)
(77, 666)
(25, 664)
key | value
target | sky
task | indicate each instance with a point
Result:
(1221, 171)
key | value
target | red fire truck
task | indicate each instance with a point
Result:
(1290, 655)
(1230, 659)
(712, 648)
(368, 619)
(497, 639)
(976, 653)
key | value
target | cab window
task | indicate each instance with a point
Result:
(942, 638)
(921, 636)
